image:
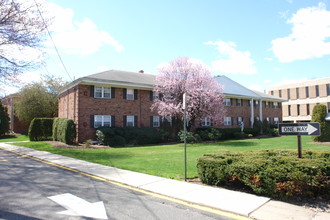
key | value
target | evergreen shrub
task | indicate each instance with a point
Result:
(40, 129)
(274, 173)
(4, 120)
(64, 130)
(121, 136)
(319, 114)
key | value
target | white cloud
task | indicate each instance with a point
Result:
(268, 58)
(309, 37)
(232, 60)
(78, 37)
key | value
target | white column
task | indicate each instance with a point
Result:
(252, 113)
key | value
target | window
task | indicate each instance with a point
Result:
(227, 102)
(276, 121)
(308, 109)
(239, 120)
(102, 120)
(297, 93)
(206, 121)
(288, 91)
(266, 104)
(267, 119)
(239, 102)
(289, 110)
(317, 91)
(275, 105)
(155, 121)
(256, 103)
(155, 95)
(298, 109)
(98, 92)
(102, 92)
(280, 93)
(130, 94)
(168, 119)
(227, 121)
(307, 91)
(272, 92)
(328, 89)
(130, 121)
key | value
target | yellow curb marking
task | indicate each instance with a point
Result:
(196, 206)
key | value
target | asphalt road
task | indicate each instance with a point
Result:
(28, 186)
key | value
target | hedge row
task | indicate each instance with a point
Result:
(122, 136)
(40, 129)
(64, 130)
(58, 129)
(274, 173)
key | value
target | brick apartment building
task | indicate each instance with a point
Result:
(119, 98)
(301, 98)
(15, 125)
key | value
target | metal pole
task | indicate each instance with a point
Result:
(185, 144)
(299, 147)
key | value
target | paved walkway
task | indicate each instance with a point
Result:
(242, 204)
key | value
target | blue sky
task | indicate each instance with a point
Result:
(257, 43)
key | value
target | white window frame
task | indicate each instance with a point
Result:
(276, 120)
(239, 102)
(227, 121)
(275, 104)
(103, 90)
(168, 119)
(267, 104)
(130, 120)
(239, 120)
(155, 121)
(206, 121)
(227, 101)
(102, 120)
(130, 94)
(155, 95)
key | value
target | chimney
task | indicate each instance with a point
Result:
(141, 71)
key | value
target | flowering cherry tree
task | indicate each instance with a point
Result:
(203, 94)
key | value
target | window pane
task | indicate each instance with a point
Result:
(97, 121)
(155, 122)
(130, 94)
(106, 92)
(130, 121)
(98, 92)
(107, 120)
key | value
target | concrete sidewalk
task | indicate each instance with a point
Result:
(239, 203)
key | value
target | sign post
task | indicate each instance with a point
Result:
(185, 136)
(299, 129)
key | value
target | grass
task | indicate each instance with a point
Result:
(167, 160)
(12, 138)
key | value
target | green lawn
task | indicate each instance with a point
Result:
(10, 138)
(167, 160)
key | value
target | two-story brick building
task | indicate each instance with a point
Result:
(120, 98)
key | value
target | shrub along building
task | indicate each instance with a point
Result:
(120, 98)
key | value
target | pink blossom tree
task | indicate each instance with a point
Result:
(203, 94)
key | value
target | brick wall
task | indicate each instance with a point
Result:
(79, 98)
(79, 105)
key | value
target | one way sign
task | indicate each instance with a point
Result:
(307, 129)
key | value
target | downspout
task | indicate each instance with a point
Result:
(260, 110)
(252, 113)
(67, 105)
